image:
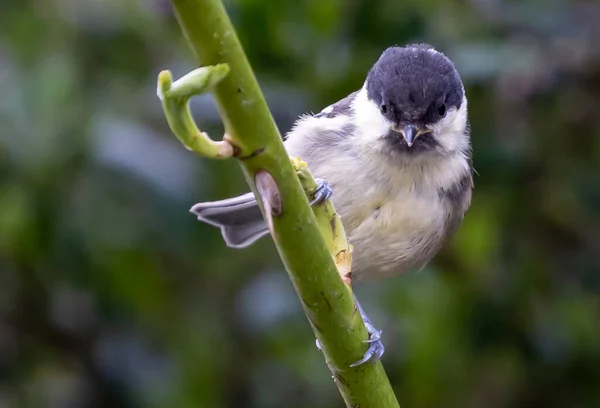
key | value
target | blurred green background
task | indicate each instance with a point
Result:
(112, 295)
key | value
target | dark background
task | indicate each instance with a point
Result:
(112, 295)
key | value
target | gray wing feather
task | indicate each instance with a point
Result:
(239, 219)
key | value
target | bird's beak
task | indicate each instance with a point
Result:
(410, 132)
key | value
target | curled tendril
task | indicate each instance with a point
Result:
(175, 98)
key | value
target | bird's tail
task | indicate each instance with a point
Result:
(239, 218)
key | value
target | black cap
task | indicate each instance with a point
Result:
(414, 84)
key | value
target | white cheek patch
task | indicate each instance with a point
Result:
(368, 118)
(451, 129)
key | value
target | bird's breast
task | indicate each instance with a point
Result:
(392, 212)
(402, 232)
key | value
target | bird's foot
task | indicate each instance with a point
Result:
(322, 192)
(376, 347)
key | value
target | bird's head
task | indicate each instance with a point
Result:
(413, 100)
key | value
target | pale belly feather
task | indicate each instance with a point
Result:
(394, 234)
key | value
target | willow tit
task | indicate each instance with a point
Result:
(397, 156)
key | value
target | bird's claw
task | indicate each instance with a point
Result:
(322, 192)
(373, 353)
(376, 347)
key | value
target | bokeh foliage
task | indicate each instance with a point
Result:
(111, 295)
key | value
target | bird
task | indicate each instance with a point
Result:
(395, 159)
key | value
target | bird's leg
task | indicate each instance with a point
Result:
(376, 347)
(322, 193)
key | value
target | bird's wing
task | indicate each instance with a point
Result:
(311, 133)
(341, 107)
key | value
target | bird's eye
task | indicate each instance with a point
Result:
(442, 110)
(383, 108)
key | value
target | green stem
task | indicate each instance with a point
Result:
(327, 301)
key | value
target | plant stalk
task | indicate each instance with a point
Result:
(327, 301)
